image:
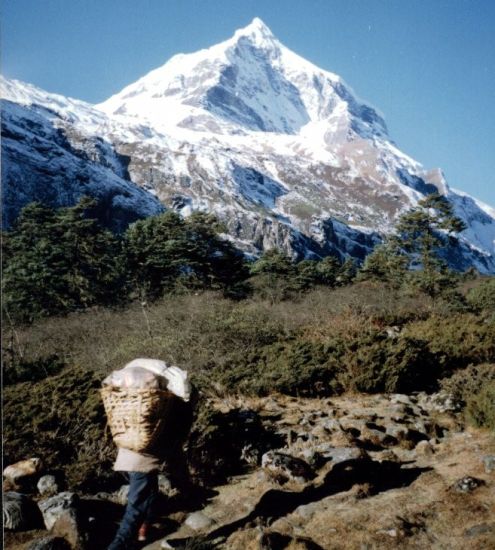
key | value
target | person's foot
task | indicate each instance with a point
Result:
(143, 532)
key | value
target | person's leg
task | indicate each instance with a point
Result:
(143, 488)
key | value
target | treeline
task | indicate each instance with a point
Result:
(58, 261)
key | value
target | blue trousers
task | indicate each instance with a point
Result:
(143, 489)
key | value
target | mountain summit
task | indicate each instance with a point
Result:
(250, 82)
(279, 149)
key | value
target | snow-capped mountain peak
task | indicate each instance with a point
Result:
(258, 33)
(248, 83)
(282, 151)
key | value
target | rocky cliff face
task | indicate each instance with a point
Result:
(281, 150)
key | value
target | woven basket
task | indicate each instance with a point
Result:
(135, 416)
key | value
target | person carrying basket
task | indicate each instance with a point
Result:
(140, 401)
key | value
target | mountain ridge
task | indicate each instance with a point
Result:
(282, 151)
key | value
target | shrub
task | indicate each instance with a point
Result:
(482, 297)
(31, 371)
(217, 441)
(61, 419)
(378, 363)
(292, 367)
(466, 383)
(480, 409)
(457, 340)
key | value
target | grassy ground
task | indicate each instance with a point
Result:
(364, 337)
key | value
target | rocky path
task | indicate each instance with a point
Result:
(353, 472)
(358, 472)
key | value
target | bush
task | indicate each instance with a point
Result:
(293, 368)
(467, 383)
(61, 420)
(31, 371)
(217, 441)
(480, 409)
(482, 297)
(456, 340)
(378, 363)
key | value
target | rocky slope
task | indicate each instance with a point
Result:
(349, 472)
(281, 150)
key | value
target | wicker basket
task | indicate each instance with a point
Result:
(135, 416)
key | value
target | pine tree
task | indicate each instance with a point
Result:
(386, 263)
(59, 261)
(422, 233)
(328, 270)
(166, 252)
(412, 254)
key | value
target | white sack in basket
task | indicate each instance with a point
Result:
(176, 379)
(133, 378)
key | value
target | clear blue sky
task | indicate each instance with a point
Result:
(428, 65)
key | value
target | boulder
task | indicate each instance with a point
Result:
(284, 467)
(23, 469)
(69, 526)
(47, 486)
(341, 454)
(19, 511)
(198, 521)
(56, 506)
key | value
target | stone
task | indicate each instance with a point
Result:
(342, 439)
(393, 332)
(285, 467)
(376, 437)
(320, 432)
(481, 529)
(342, 454)
(389, 532)
(467, 484)
(331, 425)
(401, 399)
(22, 469)
(49, 543)
(353, 424)
(164, 487)
(386, 455)
(489, 463)
(424, 448)
(306, 511)
(198, 521)
(441, 402)
(120, 496)
(423, 427)
(19, 511)
(68, 526)
(53, 507)
(47, 486)
(400, 433)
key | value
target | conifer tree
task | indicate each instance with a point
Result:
(422, 233)
(59, 261)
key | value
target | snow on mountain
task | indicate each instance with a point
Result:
(53, 152)
(282, 151)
